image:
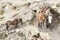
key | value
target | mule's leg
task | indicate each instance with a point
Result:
(47, 24)
(38, 24)
(7, 25)
(43, 23)
(16, 24)
(51, 26)
(20, 20)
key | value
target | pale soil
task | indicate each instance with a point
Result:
(24, 11)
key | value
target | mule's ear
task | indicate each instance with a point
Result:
(5, 23)
(20, 19)
(34, 10)
(38, 34)
(39, 12)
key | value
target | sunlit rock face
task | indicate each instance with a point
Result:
(27, 10)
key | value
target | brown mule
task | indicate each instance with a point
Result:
(41, 17)
(15, 22)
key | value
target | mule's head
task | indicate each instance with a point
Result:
(20, 20)
(49, 15)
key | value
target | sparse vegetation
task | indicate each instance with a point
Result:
(1, 12)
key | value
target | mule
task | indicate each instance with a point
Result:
(52, 18)
(15, 23)
(49, 17)
(41, 18)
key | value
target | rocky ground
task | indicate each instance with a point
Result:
(26, 9)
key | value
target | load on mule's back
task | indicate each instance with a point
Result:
(41, 17)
